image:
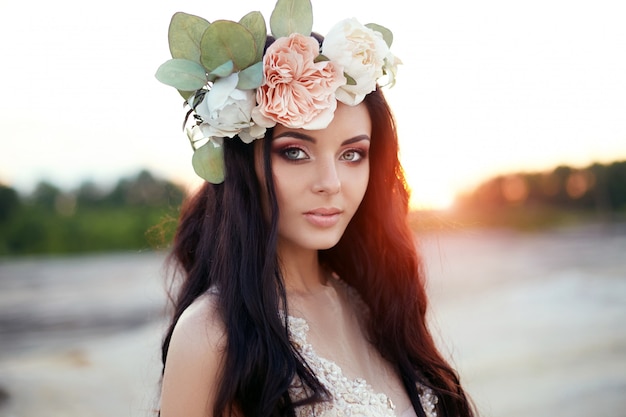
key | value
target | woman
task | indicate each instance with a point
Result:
(302, 292)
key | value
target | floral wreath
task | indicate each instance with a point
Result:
(234, 88)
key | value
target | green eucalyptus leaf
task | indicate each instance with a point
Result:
(225, 41)
(184, 36)
(349, 80)
(387, 34)
(321, 58)
(223, 70)
(292, 16)
(182, 74)
(255, 23)
(251, 77)
(208, 162)
(186, 94)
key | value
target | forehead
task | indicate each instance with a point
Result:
(348, 122)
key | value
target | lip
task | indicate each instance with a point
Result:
(323, 217)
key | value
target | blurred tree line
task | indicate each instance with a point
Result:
(141, 212)
(137, 213)
(532, 200)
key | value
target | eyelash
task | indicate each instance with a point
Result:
(360, 153)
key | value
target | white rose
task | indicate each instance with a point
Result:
(251, 133)
(362, 52)
(226, 111)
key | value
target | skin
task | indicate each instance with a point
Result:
(320, 178)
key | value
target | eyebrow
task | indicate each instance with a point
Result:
(304, 136)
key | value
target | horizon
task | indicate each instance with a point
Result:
(106, 187)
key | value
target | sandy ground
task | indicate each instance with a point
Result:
(80, 336)
(534, 323)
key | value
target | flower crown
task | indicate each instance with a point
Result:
(234, 86)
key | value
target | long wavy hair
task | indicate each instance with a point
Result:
(224, 241)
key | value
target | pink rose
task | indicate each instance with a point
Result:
(297, 92)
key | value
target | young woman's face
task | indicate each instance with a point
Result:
(320, 178)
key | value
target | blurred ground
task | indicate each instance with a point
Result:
(534, 323)
(80, 336)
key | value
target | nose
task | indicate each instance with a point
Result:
(327, 180)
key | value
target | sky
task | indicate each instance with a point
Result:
(486, 87)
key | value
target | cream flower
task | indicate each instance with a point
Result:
(362, 52)
(297, 91)
(226, 111)
(391, 69)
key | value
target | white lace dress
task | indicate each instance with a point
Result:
(350, 397)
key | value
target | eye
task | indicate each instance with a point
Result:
(352, 155)
(294, 154)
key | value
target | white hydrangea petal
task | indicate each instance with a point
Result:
(195, 134)
(202, 109)
(348, 97)
(221, 90)
(256, 131)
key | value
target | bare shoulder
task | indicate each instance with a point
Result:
(194, 361)
(200, 326)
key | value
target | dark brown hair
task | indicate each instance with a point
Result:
(225, 242)
(377, 256)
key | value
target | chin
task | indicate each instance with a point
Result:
(312, 239)
(327, 243)
(324, 247)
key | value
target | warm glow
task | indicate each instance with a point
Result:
(429, 195)
(578, 183)
(514, 189)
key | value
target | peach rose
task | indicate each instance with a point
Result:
(297, 91)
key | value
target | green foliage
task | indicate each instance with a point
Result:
(291, 16)
(530, 201)
(251, 77)
(137, 214)
(203, 52)
(208, 162)
(255, 23)
(387, 34)
(45, 195)
(223, 70)
(225, 41)
(9, 203)
(184, 36)
(182, 74)
(597, 186)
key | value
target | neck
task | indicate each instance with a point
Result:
(301, 270)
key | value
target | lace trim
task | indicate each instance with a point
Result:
(351, 397)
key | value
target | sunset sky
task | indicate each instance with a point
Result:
(486, 87)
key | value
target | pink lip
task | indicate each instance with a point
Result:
(323, 217)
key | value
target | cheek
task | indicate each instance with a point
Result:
(288, 187)
(290, 179)
(356, 184)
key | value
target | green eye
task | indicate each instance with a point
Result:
(352, 156)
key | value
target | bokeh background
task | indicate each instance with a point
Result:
(512, 119)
